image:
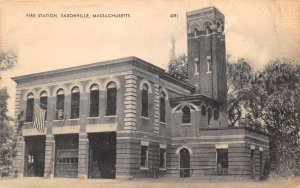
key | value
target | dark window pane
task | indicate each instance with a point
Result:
(209, 65)
(144, 156)
(260, 162)
(184, 163)
(209, 114)
(60, 99)
(145, 103)
(162, 158)
(216, 114)
(43, 104)
(75, 101)
(111, 103)
(186, 116)
(252, 162)
(222, 158)
(162, 109)
(94, 103)
(203, 110)
(29, 110)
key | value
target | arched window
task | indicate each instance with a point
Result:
(220, 27)
(60, 100)
(94, 100)
(203, 110)
(186, 115)
(209, 115)
(145, 104)
(162, 104)
(44, 102)
(207, 30)
(111, 101)
(29, 107)
(75, 102)
(196, 32)
(216, 114)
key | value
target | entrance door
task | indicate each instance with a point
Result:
(102, 163)
(34, 156)
(66, 156)
(184, 163)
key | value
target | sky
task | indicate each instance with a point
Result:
(258, 30)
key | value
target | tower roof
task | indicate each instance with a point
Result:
(205, 11)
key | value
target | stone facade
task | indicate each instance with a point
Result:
(183, 134)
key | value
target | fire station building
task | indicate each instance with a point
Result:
(127, 118)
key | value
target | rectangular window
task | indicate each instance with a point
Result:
(94, 103)
(29, 110)
(60, 99)
(75, 100)
(162, 157)
(144, 103)
(222, 158)
(252, 158)
(144, 156)
(260, 162)
(209, 64)
(197, 66)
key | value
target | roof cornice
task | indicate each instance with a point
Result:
(132, 60)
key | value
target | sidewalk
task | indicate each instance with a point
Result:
(147, 183)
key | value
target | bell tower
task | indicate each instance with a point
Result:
(206, 53)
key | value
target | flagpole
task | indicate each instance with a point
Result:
(47, 106)
(64, 115)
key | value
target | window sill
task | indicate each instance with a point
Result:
(186, 124)
(208, 72)
(93, 118)
(110, 116)
(144, 168)
(196, 74)
(162, 169)
(143, 117)
(163, 123)
(75, 119)
(28, 122)
(56, 120)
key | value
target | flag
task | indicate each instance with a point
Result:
(39, 118)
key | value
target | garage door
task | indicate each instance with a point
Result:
(67, 163)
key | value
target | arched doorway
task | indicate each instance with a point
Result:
(184, 157)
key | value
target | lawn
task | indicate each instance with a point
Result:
(155, 183)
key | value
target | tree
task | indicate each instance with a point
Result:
(7, 61)
(274, 108)
(6, 139)
(239, 76)
(177, 67)
(268, 100)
